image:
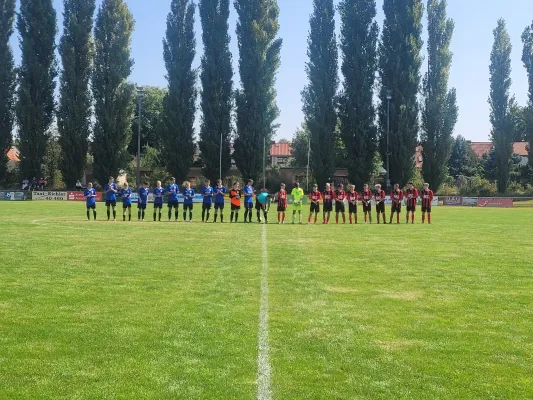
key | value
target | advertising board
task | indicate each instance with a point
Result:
(48, 195)
(452, 201)
(9, 195)
(494, 202)
(470, 201)
(78, 196)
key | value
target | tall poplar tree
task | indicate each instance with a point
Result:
(319, 94)
(113, 106)
(259, 59)
(358, 42)
(400, 60)
(527, 59)
(7, 82)
(500, 104)
(217, 86)
(439, 111)
(37, 26)
(74, 114)
(179, 105)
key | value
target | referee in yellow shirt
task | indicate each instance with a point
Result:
(297, 194)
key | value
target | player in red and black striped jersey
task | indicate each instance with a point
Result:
(427, 197)
(281, 198)
(379, 198)
(340, 195)
(366, 199)
(410, 195)
(314, 199)
(328, 202)
(396, 197)
(352, 197)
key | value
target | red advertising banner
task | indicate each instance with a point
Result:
(452, 201)
(78, 196)
(494, 202)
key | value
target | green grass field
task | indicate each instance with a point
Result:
(171, 310)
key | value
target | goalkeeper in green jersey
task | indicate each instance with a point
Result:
(297, 195)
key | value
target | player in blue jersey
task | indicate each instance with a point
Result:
(126, 201)
(90, 198)
(159, 193)
(219, 192)
(172, 200)
(143, 200)
(207, 193)
(248, 200)
(188, 196)
(111, 191)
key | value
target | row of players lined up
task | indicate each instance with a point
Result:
(216, 196)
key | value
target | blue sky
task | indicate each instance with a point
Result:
(474, 21)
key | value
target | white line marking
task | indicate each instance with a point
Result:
(263, 363)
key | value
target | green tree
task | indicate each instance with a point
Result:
(500, 104)
(527, 59)
(400, 60)
(259, 60)
(217, 86)
(7, 82)
(37, 26)
(439, 112)
(151, 124)
(358, 42)
(179, 105)
(113, 95)
(319, 95)
(52, 161)
(462, 159)
(300, 147)
(76, 48)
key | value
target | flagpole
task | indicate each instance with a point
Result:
(264, 162)
(308, 160)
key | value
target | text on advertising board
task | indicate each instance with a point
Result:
(49, 195)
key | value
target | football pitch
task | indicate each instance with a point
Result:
(103, 310)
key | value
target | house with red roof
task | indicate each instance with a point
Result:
(482, 148)
(280, 154)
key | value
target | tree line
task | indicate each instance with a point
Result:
(96, 108)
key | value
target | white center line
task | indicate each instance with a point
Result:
(263, 363)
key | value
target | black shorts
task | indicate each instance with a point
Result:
(173, 204)
(219, 206)
(314, 208)
(367, 207)
(411, 208)
(380, 207)
(352, 208)
(206, 206)
(339, 207)
(110, 203)
(248, 206)
(158, 205)
(235, 207)
(426, 209)
(92, 206)
(259, 206)
(124, 205)
(396, 208)
(141, 206)
(281, 208)
(328, 207)
(187, 207)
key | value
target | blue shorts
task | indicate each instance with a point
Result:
(173, 203)
(248, 206)
(219, 206)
